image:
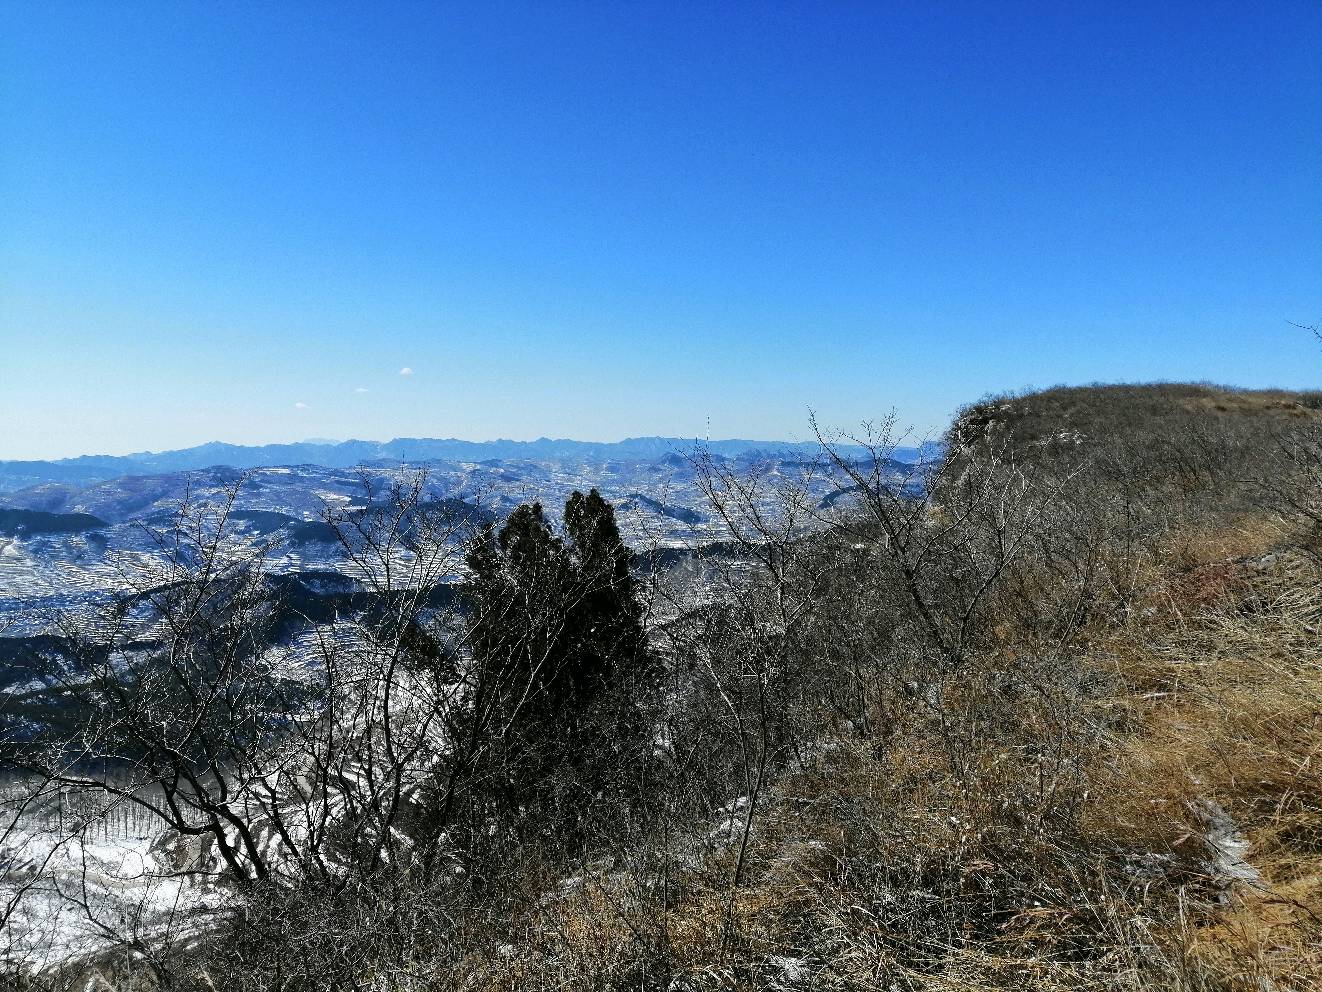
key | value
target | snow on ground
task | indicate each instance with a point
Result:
(78, 886)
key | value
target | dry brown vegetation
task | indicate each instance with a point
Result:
(1051, 721)
(1132, 800)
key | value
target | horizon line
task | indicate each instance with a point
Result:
(916, 443)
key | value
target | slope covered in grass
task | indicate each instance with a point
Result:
(1114, 783)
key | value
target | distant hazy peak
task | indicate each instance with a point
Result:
(86, 469)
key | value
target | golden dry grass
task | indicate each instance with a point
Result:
(1226, 679)
(1217, 700)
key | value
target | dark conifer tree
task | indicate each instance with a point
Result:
(607, 617)
(556, 625)
(519, 591)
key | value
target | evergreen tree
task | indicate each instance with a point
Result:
(556, 625)
(518, 591)
(558, 620)
(607, 618)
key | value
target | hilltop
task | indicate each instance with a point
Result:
(1168, 408)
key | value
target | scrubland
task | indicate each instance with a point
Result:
(1048, 718)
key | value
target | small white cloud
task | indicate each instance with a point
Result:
(406, 371)
(361, 389)
(300, 405)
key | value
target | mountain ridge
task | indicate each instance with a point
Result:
(88, 469)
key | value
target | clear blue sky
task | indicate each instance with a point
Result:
(607, 219)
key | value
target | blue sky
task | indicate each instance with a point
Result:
(604, 219)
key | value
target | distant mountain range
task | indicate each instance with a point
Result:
(88, 469)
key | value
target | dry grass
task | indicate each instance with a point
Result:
(1227, 685)
(876, 868)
